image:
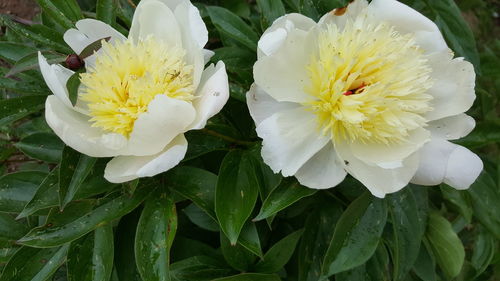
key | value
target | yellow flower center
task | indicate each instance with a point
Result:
(369, 83)
(126, 78)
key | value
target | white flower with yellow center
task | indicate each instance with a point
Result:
(371, 90)
(140, 94)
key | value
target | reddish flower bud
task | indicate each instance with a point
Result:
(74, 62)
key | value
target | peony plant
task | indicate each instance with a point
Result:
(371, 90)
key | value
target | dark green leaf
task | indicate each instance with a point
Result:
(92, 47)
(445, 245)
(155, 233)
(47, 236)
(105, 11)
(459, 201)
(13, 52)
(16, 190)
(125, 265)
(483, 252)
(236, 192)
(198, 268)
(72, 85)
(287, 193)
(56, 14)
(425, 265)
(236, 256)
(20, 107)
(70, 8)
(31, 264)
(249, 239)
(201, 218)
(279, 254)
(356, 235)
(42, 146)
(30, 61)
(408, 229)
(201, 143)
(91, 257)
(73, 170)
(196, 185)
(270, 10)
(485, 198)
(10, 229)
(233, 26)
(250, 277)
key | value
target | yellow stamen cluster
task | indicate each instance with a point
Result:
(369, 83)
(126, 78)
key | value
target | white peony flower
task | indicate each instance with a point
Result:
(139, 94)
(371, 90)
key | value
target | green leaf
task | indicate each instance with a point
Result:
(408, 228)
(236, 193)
(92, 47)
(201, 218)
(270, 10)
(236, 256)
(11, 229)
(196, 185)
(31, 264)
(56, 14)
(90, 258)
(155, 233)
(17, 108)
(459, 201)
(30, 62)
(198, 268)
(425, 265)
(125, 264)
(485, 133)
(457, 32)
(445, 245)
(250, 277)
(47, 236)
(74, 168)
(16, 190)
(105, 11)
(13, 52)
(484, 250)
(70, 8)
(287, 193)
(36, 35)
(236, 59)
(72, 85)
(42, 146)
(356, 235)
(318, 232)
(249, 239)
(279, 254)
(201, 143)
(233, 26)
(485, 198)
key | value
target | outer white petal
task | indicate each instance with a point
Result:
(284, 75)
(290, 138)
(390, 155)
(56, 77)
(212, 96)
(378, 180)
(324, 170)
(126, 168)
(453, 127)
(443, 161)
(262, 105)
(275, 35)
(165, 119)
(192, 26)
(154, 18)
(408, 20)
(453, 88)
(207, 55)
(74, 129)
(340, 16)
(89, 31)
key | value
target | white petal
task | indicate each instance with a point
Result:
(191, 24)
(453, 88)
(126, 168)
(383, 154)
(261, 105)
(443, 161)
(324, 170)
(453, 127)
(153, 130)
(89, 31)
(340, 16)
(75, 130)
(284, 74)
(290, 138)
(378, 180)
(56, 77)
(154, 18)
(212, 96)
(275, 35)
(207, 55)
(407, 20)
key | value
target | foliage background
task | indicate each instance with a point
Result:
(222, 214)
